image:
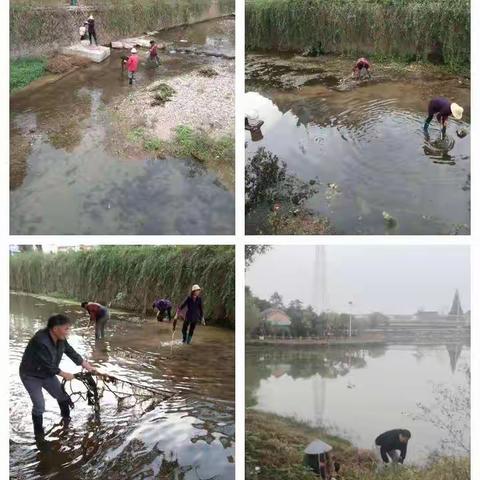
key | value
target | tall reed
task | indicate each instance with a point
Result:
(131, 277)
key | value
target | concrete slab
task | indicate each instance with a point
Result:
(117, 45)
(92, 52)
(138, 42)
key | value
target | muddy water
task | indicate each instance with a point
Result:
(359, 393)
(190, 436)
(367, 142)
(71, 175)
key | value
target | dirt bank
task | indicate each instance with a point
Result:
(197, 119)
(39, 31)
(274, 449)
(295, 71)
(205, 103)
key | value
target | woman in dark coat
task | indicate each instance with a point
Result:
(194, 313)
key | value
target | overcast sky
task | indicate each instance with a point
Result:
(390, 279)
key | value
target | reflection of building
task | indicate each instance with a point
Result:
(277, 319)
(454, 351)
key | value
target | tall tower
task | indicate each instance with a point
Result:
(319, 287)
(456, 309)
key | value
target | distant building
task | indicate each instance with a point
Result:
(456, 309)
(277, 319)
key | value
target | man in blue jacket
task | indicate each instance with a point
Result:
(40, 366)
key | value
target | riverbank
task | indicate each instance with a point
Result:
(129, 278)
(291, 71)
(274, 448)
(361, 28)
(320, 342)
(40, 30)
(195, 118)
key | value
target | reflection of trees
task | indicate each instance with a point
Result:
(330, 362)
(20, 149)
(64, 128)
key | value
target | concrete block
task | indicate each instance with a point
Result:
(92, 52)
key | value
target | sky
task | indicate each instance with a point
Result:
(389, 279)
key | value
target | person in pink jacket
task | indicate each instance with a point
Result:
(132, 65)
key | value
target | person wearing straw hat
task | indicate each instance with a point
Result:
(91, 30)
(443, 108)
(194, 313)
(132, 65)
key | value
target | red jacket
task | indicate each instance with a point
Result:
(132, 62)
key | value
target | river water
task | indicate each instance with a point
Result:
(190, 436)
(359, 393)
(367, 142)
(70, 176)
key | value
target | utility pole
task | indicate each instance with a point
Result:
(350, 329)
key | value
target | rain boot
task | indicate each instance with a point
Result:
(189, 339)
(65, 411)
(38, 426)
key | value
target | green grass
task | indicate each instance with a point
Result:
(275, 445)
(25, 71)
(200, 146)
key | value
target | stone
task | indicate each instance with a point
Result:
(94, 53)
(117, 45)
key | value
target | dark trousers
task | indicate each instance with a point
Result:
(100, 327)
(34, 388)
(94, 36)
(427, 124)
(161, 314)
(186, 325)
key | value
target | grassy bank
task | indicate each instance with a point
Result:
(274, 449)
(34, 29)
(411, 30)
(25, 71)
(131, 277)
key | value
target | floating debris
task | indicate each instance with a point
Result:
(389, 220)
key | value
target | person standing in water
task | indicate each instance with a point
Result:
(132, 65)
(164, 307)
(193, 315)
(99, 315)
(361, 69)
(153, 53)
(443, 108)
(91, 30)
(40, 366)
(392, 445)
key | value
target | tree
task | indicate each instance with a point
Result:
(276, 300)
(251, 251)
(253, 317)
(377, 319)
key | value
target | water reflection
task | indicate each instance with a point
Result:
(369, 141)
(190, 436)
(357, 391)
(70, 171)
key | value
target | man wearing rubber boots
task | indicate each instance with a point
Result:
(193, 315)
(40, 366)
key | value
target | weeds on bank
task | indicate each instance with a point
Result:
(25, 71)
(274, 449)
